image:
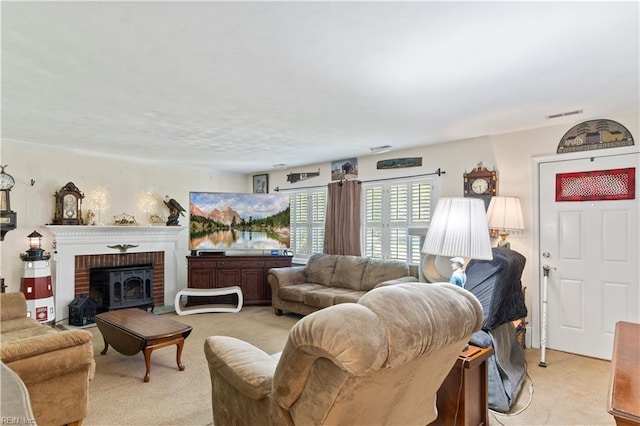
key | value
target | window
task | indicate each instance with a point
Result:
(390, 209)
(308, 210)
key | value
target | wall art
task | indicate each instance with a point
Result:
(295, 177)
(344, 169)
(261, 184)
(399, 163)
(595, 134)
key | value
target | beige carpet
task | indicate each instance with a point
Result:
(118, 396)
(572, 390)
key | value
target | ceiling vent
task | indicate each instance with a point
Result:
(380, 149)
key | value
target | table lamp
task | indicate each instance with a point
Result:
(459, 228)
(505, 214)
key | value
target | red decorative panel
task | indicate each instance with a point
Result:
(614, 184)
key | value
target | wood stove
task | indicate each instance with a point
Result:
(122, 287)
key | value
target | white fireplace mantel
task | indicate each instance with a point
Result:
(71, 241)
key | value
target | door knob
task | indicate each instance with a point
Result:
(546, 255)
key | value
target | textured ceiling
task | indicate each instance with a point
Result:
(241, 86)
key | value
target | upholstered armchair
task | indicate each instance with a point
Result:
(378, 361)
(55, 365)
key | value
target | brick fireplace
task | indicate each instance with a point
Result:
(84, 264)
(77, 249)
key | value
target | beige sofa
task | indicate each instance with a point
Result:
(55, 365)
(330, 279)
(380, 361)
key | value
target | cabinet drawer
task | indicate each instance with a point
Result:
(202, 264)
(240, 263)
(278, 263)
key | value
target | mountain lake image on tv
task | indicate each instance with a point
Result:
(221, 221)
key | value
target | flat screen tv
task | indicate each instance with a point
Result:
(223, 221)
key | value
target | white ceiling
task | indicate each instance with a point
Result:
(241, 86)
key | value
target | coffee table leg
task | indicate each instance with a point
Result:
(180, 345)
(147, 361)
(106, 346)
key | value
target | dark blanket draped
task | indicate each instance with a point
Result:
(498, 286)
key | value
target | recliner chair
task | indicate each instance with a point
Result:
(378, 361)
(497, 285)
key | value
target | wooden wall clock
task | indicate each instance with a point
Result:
(481, 183)
(8, 219)
(68, 209)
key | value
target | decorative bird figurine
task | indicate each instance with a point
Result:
(122, 247)
(175, 210)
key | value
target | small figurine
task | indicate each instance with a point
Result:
(458, 277)
(91, 218)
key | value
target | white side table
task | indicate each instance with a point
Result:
(181, 309)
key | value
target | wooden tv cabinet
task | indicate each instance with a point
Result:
(247, 272)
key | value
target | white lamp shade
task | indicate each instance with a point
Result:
(505, 213)
(459, 227)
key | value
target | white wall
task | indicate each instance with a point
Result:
(52, 169)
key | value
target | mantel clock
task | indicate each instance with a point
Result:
(8, 218)
(68, 204)
(481, 183)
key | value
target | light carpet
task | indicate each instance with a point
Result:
(572, 390)
(118, 396)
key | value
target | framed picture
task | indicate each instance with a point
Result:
(261, 184)
(344, 169)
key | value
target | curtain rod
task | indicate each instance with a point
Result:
(438, 172)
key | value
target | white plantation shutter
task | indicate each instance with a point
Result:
(300, 240)
(390, 209)
(308, 209)
(422, 203)
(318, 212)
(398, 196)
(373, 200)
(398, 221)
(317, 240)
(397, 244)
(373, 243)
(299, 214)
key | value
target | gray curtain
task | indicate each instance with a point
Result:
(342, 222)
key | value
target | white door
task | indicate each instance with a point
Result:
(592, 248)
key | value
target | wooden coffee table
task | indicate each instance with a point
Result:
(133, 330)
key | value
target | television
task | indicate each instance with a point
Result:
(223, 221)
